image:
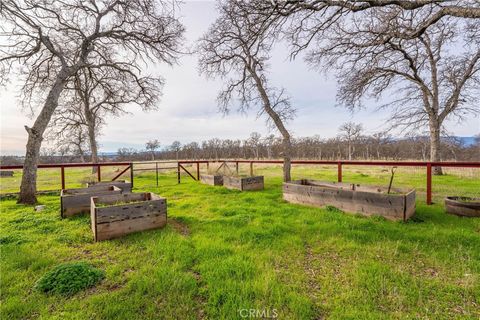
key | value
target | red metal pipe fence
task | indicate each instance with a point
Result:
(426, 164)
(62, 167)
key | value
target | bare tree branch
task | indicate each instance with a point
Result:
(51, 41)
(236, 49)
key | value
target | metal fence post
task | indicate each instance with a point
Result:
(251, 168)
(236, 166)
(178, 172)
(429, 183)
(198, 171)
(62, 170)
(339, 171)
(156, 171)
(99, 174)
(131, 173)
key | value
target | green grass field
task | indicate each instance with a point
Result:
(225, 252)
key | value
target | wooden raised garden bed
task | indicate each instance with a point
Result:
(243, 183)
(117, 215)
(463, 206)
(366, 200)
(212, 179)
(122, 184)
(6, 173)
(76, 201)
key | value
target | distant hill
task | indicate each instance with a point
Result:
(467, 141)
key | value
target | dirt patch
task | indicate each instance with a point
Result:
(200, 300)
(312, 283)
(179, 226)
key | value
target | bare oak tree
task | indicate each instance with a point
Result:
(428, 79)
(236, 49)
(69, 141)
(97, 93)
(152, 146)
(52, 41)
(308, 19)
(350, 132)
(175, 147)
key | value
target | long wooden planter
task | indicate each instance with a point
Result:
(463, 206)
(212, 179)
(366, 200)
(243, 183)
(122, 184)
(118, 215)
(76, 201)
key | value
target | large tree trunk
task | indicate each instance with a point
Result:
(28, 188)
(287, 160)
(435, 146)
(90, 118)
(287, 145)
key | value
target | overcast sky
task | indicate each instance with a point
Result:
(188, 110)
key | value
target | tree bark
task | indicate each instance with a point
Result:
(28, 187)
(287, 160)
(91, 135)
(287, 145)
(435, 146)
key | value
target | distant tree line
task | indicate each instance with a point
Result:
(379, 146)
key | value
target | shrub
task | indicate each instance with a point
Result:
(69, 278)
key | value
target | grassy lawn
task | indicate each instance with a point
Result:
(224, 251)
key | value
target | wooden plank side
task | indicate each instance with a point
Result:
(243, 184)
(77, 191)
(131, 211)
(232, 182)
(213, 180)
(93, 218)
(77, 203)
(410, 205)
(122, 184)
(124, 197)
(252, 183)
(120, 228)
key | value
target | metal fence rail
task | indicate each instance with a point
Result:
(340, 163)
(62, 167)
(180, 166)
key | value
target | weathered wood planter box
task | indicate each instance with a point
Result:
(114, 216)
(6, 173)
(212, 179)
(76, 201)
(366, 200)
(463, 206)
(243, 183)
(122, 184)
